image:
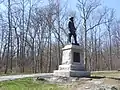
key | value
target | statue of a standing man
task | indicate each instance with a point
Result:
(72, 30)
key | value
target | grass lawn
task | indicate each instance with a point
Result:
(114, 74)
(28, 84)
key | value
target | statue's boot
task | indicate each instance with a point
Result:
(75, 39)
(69, 38)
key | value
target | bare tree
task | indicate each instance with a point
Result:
(108, 25)
(86, 9)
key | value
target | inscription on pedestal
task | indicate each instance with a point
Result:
(64, 68)
(76, 57)
(66, 58)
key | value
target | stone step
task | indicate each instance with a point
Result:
(72, 67)
(77, 67)
(71, 73)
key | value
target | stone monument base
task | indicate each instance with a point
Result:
(72, 63)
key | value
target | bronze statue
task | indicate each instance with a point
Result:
(72, 30)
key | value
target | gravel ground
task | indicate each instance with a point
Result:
(85, 83)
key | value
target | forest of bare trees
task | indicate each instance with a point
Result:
(32, 35)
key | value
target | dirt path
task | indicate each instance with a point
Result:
(13, 77)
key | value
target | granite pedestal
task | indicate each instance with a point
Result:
(72, 63)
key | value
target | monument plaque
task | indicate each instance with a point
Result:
(76, 57)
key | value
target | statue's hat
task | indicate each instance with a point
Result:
(71, 18)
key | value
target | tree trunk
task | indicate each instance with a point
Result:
(9, 34)
(85, 44)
